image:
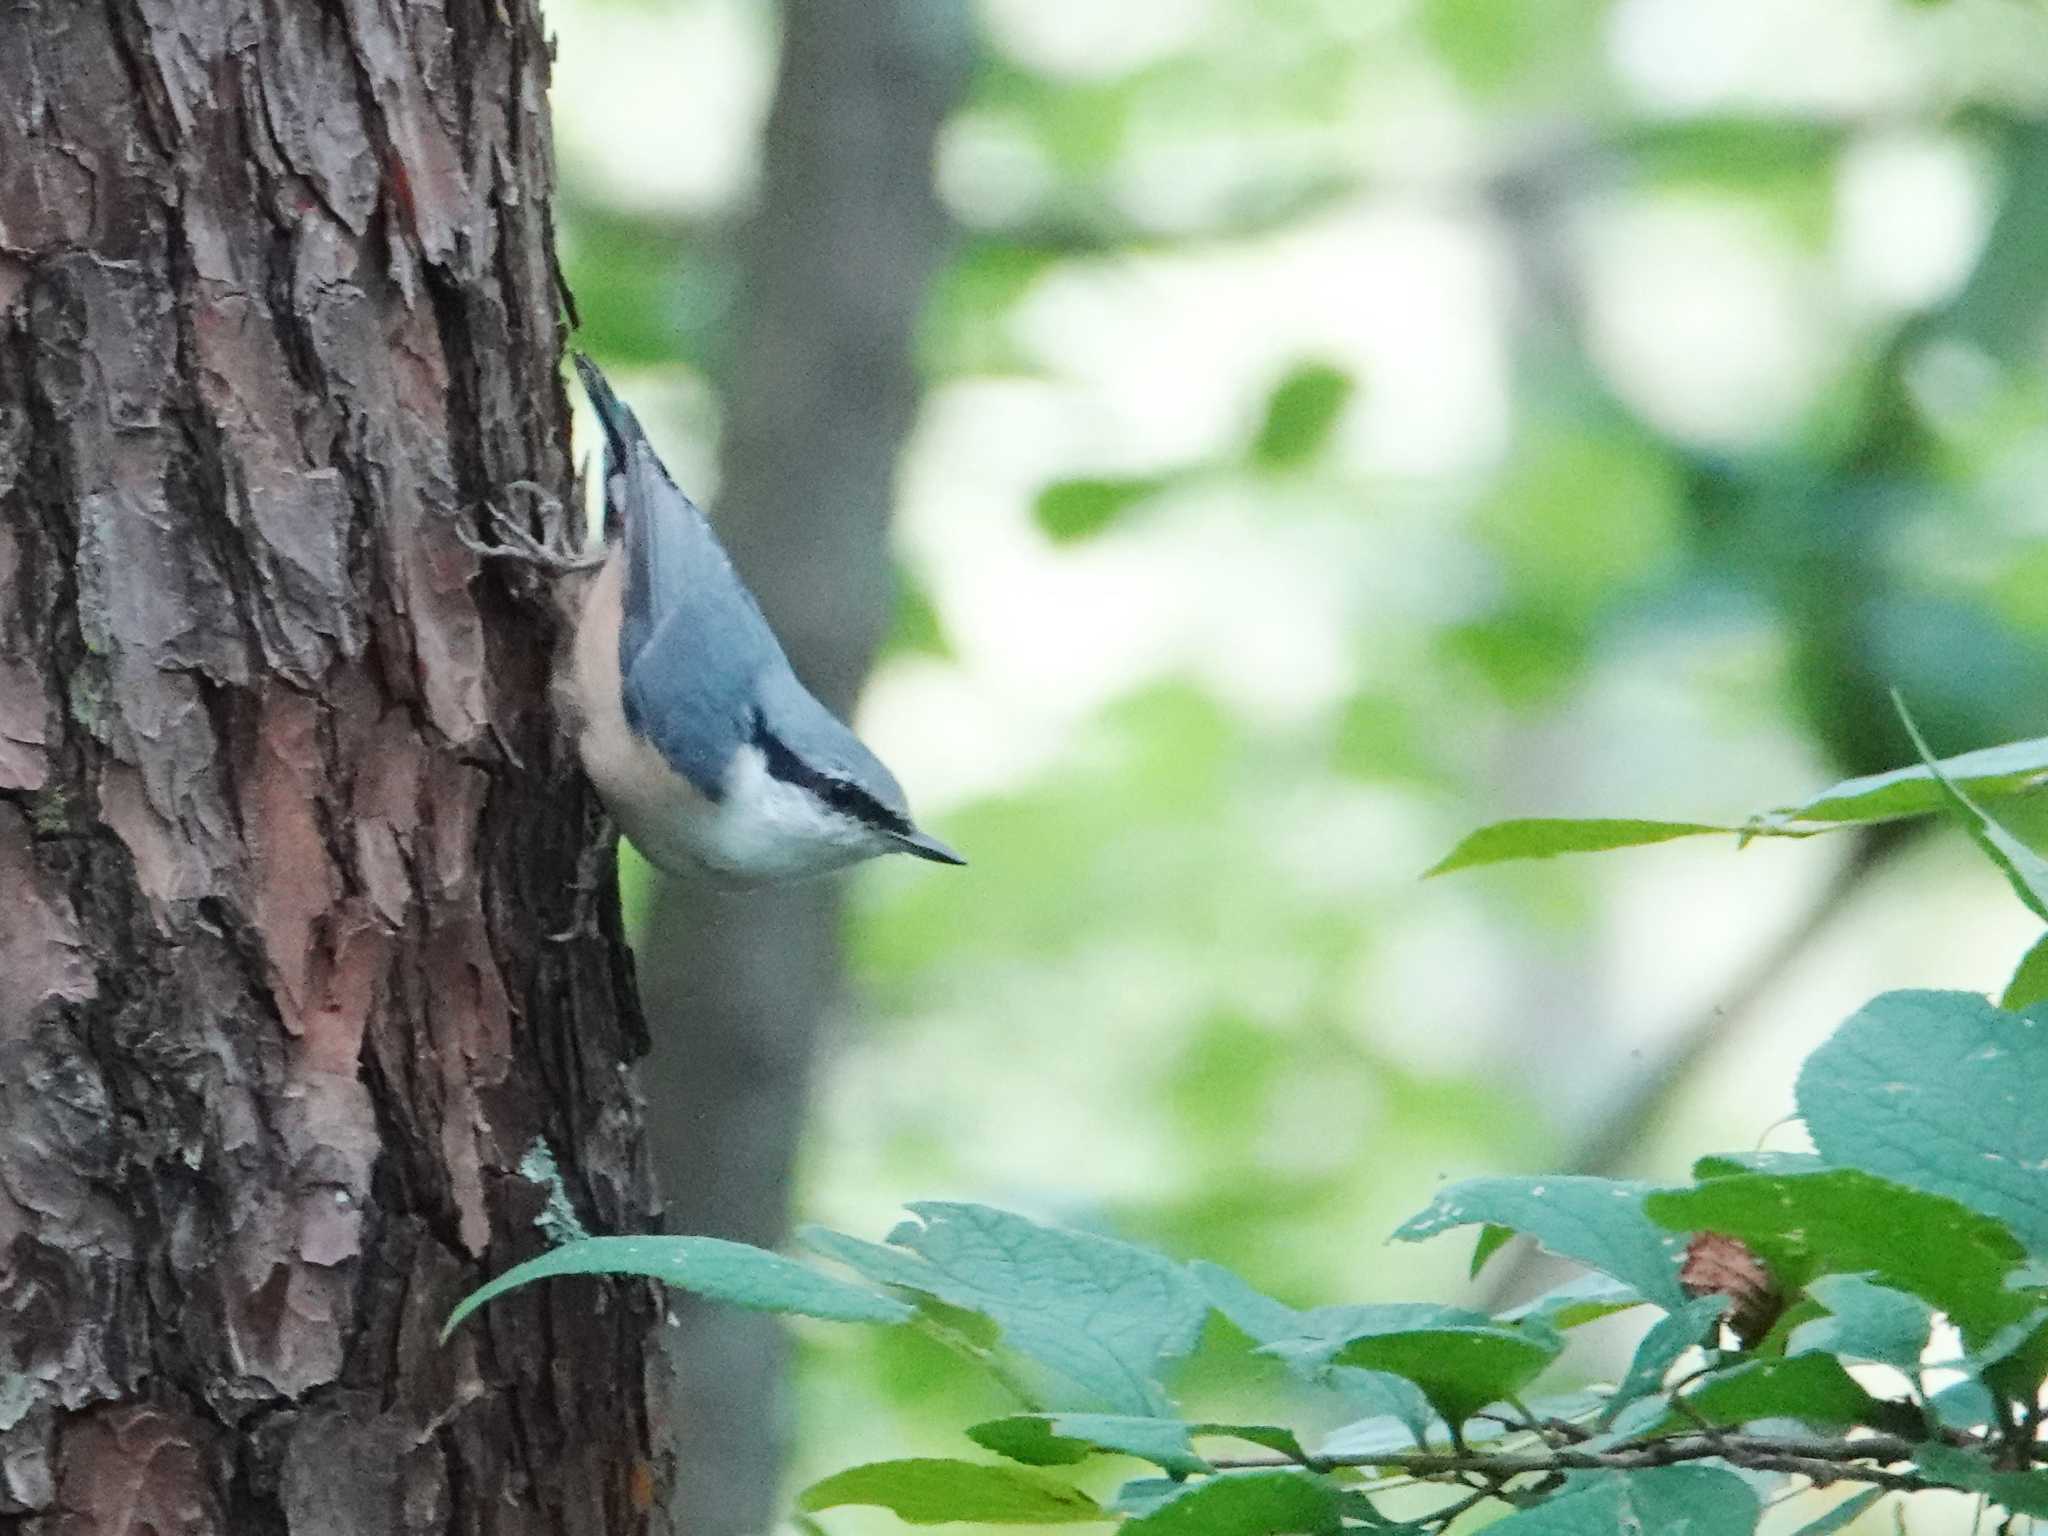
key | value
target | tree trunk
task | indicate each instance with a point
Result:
(295, 973)
(739, 984)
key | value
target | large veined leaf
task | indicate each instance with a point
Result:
(1599, 1222)
(1941, 1091)
(1100, 1316)
(1846, 1221)
(736, 1273)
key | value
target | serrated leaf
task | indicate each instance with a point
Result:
(1943, 1092)
(1699, 1501)
(2025, 870)
(2024, 1493)
(1865, 1321)
(1843, 1515)
(1070, 510)
(1101, 1316)
(1845, 1221)
(2029, 984)
(1812, 1388)
(936, 1491)
(1460, 1369)
(1258, 1502)
(734, 1273)
(1662, 1348)
(2013, 768)
(1545, 837)
(1599, 1222)
(1301, 413)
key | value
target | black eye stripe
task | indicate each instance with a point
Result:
(840, 794)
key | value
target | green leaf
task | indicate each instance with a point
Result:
(1306, 1340)
(1866, 1321)
(1301, 414)
(1460, 1369)
(1599, 1222)
(1941, 1091)
(2013, 768)
(1698, 1501)
(935, 1491)
(1718, 1165)
(1381, 1435)
(705, 1266)
(1101, 1316)
(1061, 1439)
(1544, 837)
(1966, 1405)
(2024, 1493)
(1070, 510)
(2025, 870)
(1845, 1221)
(1580, 1300)
(1257, 1502)
(1843, 1515)
(2029, 984)
(1812, 1388)
(1662, 1348)
(1491, 1240)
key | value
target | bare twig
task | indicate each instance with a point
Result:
(1823, 1462)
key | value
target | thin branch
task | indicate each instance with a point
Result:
(1824, 1462)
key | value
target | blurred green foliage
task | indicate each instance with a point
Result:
(1189, 991)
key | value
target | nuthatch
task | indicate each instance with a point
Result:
(702, 743)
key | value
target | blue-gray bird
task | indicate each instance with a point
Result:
(702, 743)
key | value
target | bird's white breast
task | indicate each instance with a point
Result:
(759, 829)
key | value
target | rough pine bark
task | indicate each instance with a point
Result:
(297, 969)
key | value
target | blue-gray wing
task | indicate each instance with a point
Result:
(693, 644)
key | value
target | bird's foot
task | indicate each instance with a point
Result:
(584, 889)
(553, 550)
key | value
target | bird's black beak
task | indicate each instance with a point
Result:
(925, 846)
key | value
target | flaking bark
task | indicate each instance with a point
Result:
(294, 963)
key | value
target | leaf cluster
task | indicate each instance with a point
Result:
(1873, 1313)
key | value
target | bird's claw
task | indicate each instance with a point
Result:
(552, 552)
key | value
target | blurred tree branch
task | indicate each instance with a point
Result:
(823, 389)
